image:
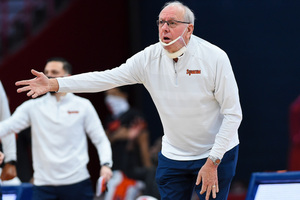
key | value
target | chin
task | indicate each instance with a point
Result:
(169, 49)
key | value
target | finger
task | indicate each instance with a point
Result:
(30, 93)
(35, 95)
(23, 89)
(208, 191)
(25, 82)
(203, 189)
(36, 73)
(198, 181)
(213, 191)
(217, 187)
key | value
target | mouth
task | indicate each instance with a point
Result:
(166, 40)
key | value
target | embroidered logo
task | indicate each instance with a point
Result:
(73, 112)
(189, 72)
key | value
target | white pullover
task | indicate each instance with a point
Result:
(197, 97)
(9, 141)
(59, 142)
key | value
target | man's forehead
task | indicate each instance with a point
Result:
(172, 12)
(54, 65)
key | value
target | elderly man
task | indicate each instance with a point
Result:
(194, 89)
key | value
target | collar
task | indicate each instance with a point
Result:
(62, 98)
(188, 51)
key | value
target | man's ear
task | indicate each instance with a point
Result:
(190, 29)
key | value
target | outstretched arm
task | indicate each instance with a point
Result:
(37, 86)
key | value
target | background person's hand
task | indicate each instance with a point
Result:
(36, 86)
(135, 128)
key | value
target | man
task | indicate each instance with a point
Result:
(59, 124)
(193, 87)
(9, 171)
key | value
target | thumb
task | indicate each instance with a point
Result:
(199, 178)
(36, 73)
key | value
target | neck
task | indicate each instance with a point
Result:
(177, 53)
(59, 95)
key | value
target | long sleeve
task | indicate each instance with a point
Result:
(9, 141)
(18, 121)
(96, 133)
(226, 93)
(128, 73)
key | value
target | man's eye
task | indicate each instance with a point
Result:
(172, 22)
(161, 22)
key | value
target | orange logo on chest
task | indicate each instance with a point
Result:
(73, 112)
(189, 72)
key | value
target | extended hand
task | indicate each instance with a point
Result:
(209, 177)
(36, 86)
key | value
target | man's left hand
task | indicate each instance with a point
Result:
(208, 175)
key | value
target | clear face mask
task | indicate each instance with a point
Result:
(181, 45)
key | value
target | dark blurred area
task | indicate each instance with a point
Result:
(261, 39)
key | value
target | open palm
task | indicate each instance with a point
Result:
(36, 86)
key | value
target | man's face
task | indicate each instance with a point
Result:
(54, 69)
(168, 34)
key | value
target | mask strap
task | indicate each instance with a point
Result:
(180, 51)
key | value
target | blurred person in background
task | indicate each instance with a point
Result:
(127, 131)
(8, 170)
(60, 124)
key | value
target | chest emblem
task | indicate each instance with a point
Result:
(189, 72)
(73, 112)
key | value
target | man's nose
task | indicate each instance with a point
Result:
(165, 27)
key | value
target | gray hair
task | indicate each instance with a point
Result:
(188, 13)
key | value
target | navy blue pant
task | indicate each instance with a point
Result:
(176, 179)
(77, 191)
